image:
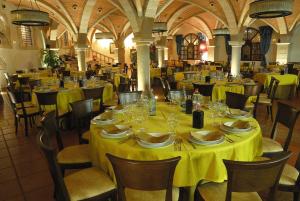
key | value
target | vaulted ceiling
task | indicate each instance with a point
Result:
(85, 16)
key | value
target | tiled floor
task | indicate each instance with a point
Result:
(23, 170)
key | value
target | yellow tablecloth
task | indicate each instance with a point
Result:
(204, 162)
(219, 90)
(67, 96)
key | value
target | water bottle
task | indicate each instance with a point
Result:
(152, 104)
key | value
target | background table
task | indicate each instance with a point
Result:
(287, 85)
(219, 90)
(202, 163)
(67, 96)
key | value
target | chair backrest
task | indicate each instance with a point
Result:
(32, 70)
(144, 175)
(20, 71)
(34, 83)
(82, 112)
(47, 98)
(204, 89)
(66, 73)
(286, 115)
(253, 90)
(23, 81)
(61, 192)
(89, 74)
(93, 93)
(273, 90)
(51, 129)
(129, 97)
(235, 100)
(255, 176)
(164, 71)
(123, 87)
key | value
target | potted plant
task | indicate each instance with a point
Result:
(51, 58)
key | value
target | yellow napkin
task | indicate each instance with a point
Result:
(112, 129)
(240, 124)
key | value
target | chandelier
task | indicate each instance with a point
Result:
(104, 35)
(221, 32)
(270, 8)
(30, 17)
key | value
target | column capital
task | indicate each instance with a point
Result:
(283, 43)
(143, 39)
(236, 43)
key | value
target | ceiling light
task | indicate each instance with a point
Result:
(30, 17)
(74, 6)
(270, 8)
(211, 3)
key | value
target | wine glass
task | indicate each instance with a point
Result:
(172, 123)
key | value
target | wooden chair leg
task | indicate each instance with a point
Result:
(271, 112)
(16, 125)
(26, 126)
(296, 196)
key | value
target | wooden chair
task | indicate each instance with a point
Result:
(24, 83)
(48, 100)
(133, 79)
(145, 179)
(268, 101)
(82, 113)
(87, 184)
(235, 100)
(164, 72)
(287, 116)
(20, 71)
(34, 83)
(97, 95)
(129, 97)
(66, 73)
(71, 157)
(89, 74)
(252, 90)
(245, 179)
(16, 99)
(204, 89)
(290, 179)
(165, 88)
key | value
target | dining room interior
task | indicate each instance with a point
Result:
(149, 100)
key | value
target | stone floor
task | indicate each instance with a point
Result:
(23, 170)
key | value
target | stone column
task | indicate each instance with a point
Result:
(161, 58)
(81, 58)
(236, 56)
(282, 52)
(120, 51)
(166, 54)
(211, 53)
(143, 63)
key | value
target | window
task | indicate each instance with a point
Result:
(190, 48)
(25, 36)
(251, 48)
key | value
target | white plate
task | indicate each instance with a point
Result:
(168, 142)
(226, 127)
(192, 140)
(113, 108)
(243, 114)
(121, 127)
(196, 137)
(116, 136)
(101, 122)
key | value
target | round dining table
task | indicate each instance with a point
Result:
(219, 90)
(197, 163)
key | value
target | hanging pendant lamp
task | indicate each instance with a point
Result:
(270, 8)
(30, 17)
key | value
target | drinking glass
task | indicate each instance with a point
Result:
(172, 123)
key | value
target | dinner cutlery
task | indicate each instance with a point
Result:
(194, 147)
